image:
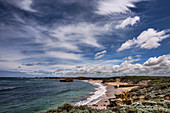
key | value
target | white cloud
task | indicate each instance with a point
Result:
(128, 21)
(112, 61)
(156, 65)
(23, 4)
(11, 56)
(26, 5)
(100, 54)
(64, 55)
(138, 56)
(157, 61)
(9, 65)
(61, 44)
(131, 59)
(160, 65)
(147, 40)
(126, 45)
(107, 7)
(70, 35)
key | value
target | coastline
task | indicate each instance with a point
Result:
(100, 98)
(104, 92)
(95, 96)
(125, 94)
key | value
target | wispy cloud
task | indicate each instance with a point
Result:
(147, 40)
(131, 59)
(128, 21)
(108, 7)
(47, 37)
(70, 35)
(26, 5)
(23, 4)
(138, 56)
(64, 55)
(100, 54)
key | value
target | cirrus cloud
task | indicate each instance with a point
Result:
(107, 7)
(64, 55)
(100, 54)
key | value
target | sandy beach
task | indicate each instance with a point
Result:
(110, 93)
(104, 99)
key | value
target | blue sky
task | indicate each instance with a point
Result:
(84, 37)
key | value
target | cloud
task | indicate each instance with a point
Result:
(26, 5)
(23, 4)
(131, 59)
(108, 7)
(64, 55)
(112, 61)
(138, 56)
(82, 33)
(160, 65)
(100, 54)
(154, 65)
(128, 21)
(128, 58)
(157, 61)
(148, 39)
(126, 45)
(11, 65)
(40, 63)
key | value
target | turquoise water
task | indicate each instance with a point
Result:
(37, 95)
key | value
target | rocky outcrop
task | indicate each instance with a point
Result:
(66, 80)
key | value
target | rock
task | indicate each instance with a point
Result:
(66, 80)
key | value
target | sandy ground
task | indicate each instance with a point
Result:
(110, 93)
(115, 83)
(123, 89)
(95, 81)
(104, 101)
(126, 89)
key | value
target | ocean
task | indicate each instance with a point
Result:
(28, 95)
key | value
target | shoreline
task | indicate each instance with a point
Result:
(126, 94)
(100, 101)
(100, 98)
(95, 96)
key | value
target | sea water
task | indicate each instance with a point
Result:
(28, 95)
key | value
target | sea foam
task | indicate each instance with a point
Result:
(96, 96)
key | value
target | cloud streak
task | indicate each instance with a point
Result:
(100, 54)
(64, 55)
(81, 33)
(23, 4)
(109, 7)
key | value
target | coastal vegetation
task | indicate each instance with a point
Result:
(68, 108)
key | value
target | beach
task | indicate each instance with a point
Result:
(107, 95)
(105, 91)
(104, 100)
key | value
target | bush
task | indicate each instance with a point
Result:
(68, 108)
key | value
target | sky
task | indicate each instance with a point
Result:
(84, 37)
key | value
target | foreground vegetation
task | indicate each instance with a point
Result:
(68, 108)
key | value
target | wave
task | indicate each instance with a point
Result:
(7, 88)
(100, 92)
